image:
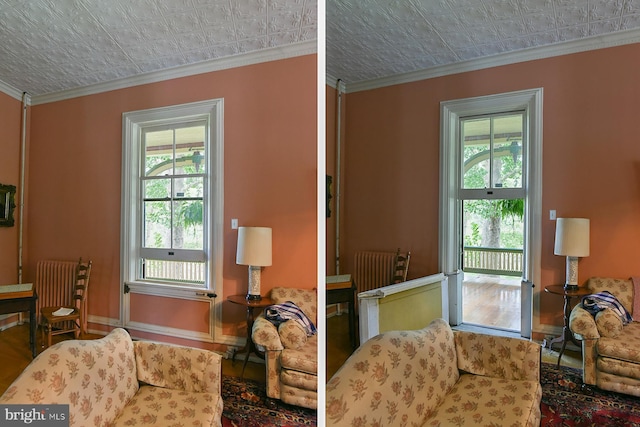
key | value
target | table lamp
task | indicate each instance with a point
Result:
(254, 250)
(572, 240)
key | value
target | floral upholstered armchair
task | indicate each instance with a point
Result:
(291, 355)
(610, 349)
(437, 377)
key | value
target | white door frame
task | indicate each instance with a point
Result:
(449, 223)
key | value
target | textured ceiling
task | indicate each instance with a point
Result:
(379, 38)
(48, 46)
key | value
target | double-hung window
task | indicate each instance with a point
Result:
(173, 184)
(171, 198)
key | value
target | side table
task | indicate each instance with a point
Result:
(343, 289)
(251, 305)
(17, 302)
(567, 335)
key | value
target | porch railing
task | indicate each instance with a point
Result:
(499, 261)
(175, 271)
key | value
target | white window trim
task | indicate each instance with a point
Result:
(130, 208)
(530, 101)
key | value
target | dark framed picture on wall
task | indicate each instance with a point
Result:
(7, 205)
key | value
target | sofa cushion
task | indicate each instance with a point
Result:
(292, 334)
(622, 289)
(298, 396)
(304, 359)
(617, 383)
(625, 346)
(619, 367)
(300, 380)
(169, 408)
(177, 367)
(485, 401)
(499, 357)
(609, 324)
(96, 378)
(305, 299)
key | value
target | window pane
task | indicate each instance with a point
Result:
(190, 153)
(174, 271)
(492, 152)
(188, 187)
(158, 152)
(494, 224)
(476, 137)
(157, 188)
(188, 231)
(507, 151)
(157, 224)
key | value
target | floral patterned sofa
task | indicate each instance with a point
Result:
(291, 355)
(437, 377)
(114, 381)
(610, 350)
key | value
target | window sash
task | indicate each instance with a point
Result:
(133, 252)
(485, 129)
(180, 149)
(173, 201)
(174, 254)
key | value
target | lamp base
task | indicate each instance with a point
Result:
(571, 283)
(253, 291)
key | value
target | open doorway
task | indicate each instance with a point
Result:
(492, 248)
(492, 201)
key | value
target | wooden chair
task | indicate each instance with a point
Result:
(74, 321)
(401, 266)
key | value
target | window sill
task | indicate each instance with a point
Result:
(174, 291)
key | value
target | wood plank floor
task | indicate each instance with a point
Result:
(491, 301)
(15, 355)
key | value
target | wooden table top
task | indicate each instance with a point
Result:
(242, 300)
(560, 290)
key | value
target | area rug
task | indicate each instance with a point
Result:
(566, 403)
(246, 405)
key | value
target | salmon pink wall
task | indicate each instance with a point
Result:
(591, 161)
(193, 315)
(10, 125)
(270, 166)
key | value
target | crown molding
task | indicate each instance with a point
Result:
(10, 90)
(331, 81)
(335, 82)
(564, 48)
(241, 60)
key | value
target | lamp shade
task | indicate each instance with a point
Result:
(572, 237)
(254, 246)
